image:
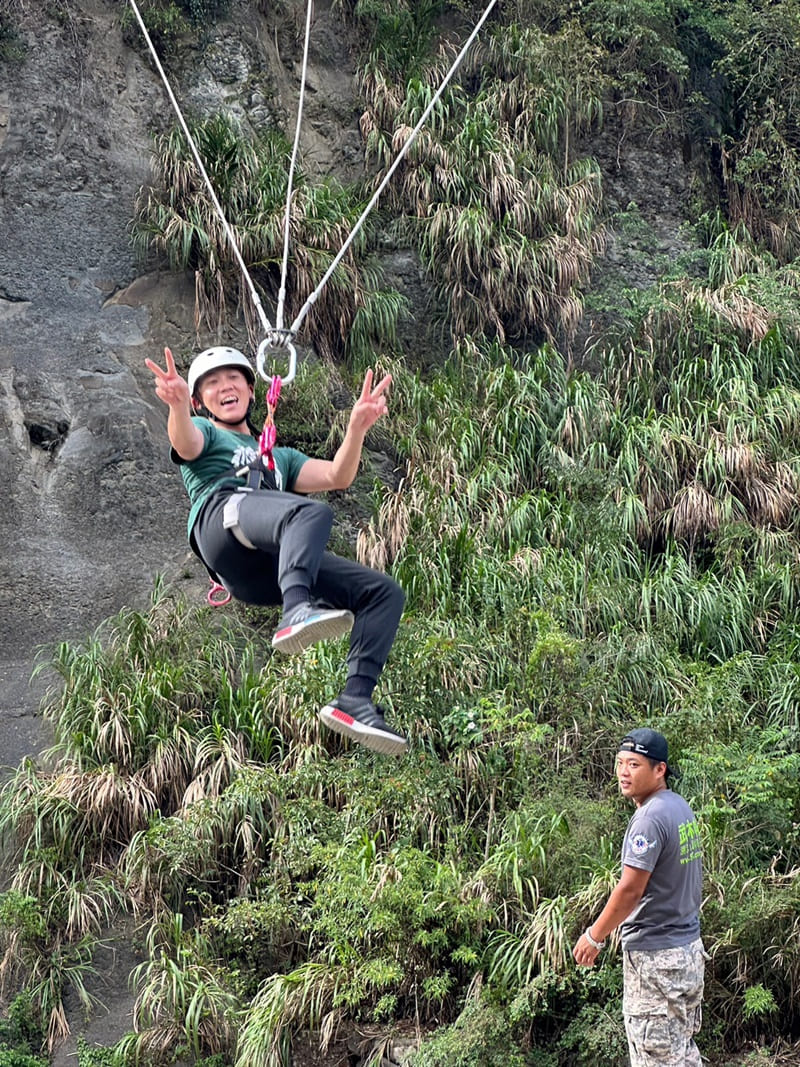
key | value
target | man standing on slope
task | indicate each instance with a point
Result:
(657, 905)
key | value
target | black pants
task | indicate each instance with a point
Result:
(290, 533)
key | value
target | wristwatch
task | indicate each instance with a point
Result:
(595, 944)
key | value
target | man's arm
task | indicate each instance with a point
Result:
(183, 435)
(318, 475)
(624, 897)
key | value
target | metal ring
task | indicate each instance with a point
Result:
(275, 341)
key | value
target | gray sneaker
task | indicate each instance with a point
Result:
(308, 624)
(363, 721)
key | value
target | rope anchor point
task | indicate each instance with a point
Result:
(277, 341)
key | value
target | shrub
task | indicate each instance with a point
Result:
(20, 1030)
(11, 46)
(165, 22)
(480, 1035)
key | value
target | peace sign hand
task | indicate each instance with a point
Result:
(170, 387)
(371, 405)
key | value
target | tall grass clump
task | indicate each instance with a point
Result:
(177, 220)
(760, 154)
(500, 208)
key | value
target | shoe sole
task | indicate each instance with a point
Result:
(324, 627)
(369, 736)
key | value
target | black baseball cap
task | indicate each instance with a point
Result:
(649, 743)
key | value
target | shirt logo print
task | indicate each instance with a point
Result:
(690, 841)
(243, 456)
(639, 845)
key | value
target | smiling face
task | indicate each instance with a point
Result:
(639, 778)
(226, 393)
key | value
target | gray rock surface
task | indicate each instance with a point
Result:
(78, 436)
(93, 508)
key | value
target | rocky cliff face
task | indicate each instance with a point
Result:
(92, 509)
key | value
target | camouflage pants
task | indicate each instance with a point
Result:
(662, 1005)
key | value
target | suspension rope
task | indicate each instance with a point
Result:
(304, 310)
(279, 336)
(290, 180)
(198, 160)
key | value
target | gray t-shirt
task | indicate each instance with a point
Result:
(663, 837)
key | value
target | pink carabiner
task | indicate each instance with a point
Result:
(213, 596)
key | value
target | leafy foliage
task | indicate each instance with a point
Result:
(94, 1056)
(11, 48)
(205, 10)
(166, 24)
(170, 22)
(480, 1035)
(761, 166)
(20, 1033)
(583, 545)
(502, 216)
(249, 176)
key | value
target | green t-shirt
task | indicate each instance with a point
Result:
(223, 454)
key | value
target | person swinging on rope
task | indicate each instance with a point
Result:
(265, 541)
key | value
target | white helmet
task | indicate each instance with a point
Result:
(213, 359)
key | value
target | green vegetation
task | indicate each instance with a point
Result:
(584, 543)
(20, 1032)
(169, 22)
(250, 178)
(166, 24)
(759, 149)
(11, 47)
(502, 216)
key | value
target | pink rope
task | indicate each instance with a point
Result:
(269, 435)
